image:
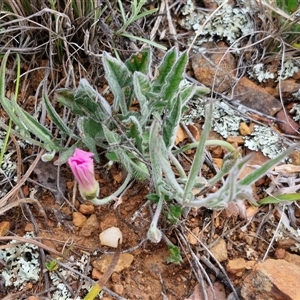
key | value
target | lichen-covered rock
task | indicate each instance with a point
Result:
(272, 279)
(215, 69)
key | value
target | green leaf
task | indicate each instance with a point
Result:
(52, 265)
(174, 78)
(118, 77)
(174, 214)
(199, 155)
(56, 119)
(279, 198)
(93, 129)
(143, 40)
(66, 98)
(140, 62)
(36, 128)
(155, 163)
(91, 145)
(174, 256)
(6, 103)
(112, 138)
(8, 107)
(266, 167)
(85, 101)
(142, 88)
(164, 69)
(171, 123)
(112, 156)
(153, 197)
(89, 101)
(140, 170)
(65, 154)
(135, 130)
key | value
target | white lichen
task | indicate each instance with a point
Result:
(296, 111)
(228, 23)
(22, 263)
(226, 121)
(8, 166)
(259, 73)
(266, 140)
(80, 265)
(287, 70)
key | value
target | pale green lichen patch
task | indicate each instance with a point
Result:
(227, 121)
(260, 73)
(228, 23)
(22, 263)
(266, 140)
(288, 70)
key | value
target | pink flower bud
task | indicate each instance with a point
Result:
(82, 166)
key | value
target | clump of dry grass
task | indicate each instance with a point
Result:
(69, 33)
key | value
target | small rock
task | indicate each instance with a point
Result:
(180, 135)
(192, 237)
(255, 97)
(288, 126)
(286, 244)
(108, 222)
(220, 251)
(96, 274)
(29, 227)
(111, 237)
(236, 265)
(90, 226)
(78, 219)
(250, 264)
(194, 131)
(289, 257)
(4, 227)
(104, 261)
(272, 279)
(288, 88)
(118, 288)
(280, 253)
(215, 69)
(115, 277)
(245, 129)
(235, 139)
(86, 209)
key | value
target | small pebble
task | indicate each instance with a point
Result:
(118, 288)
(78, 219)
(86, 209)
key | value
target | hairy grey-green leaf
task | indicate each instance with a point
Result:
(56, 119)
(118, 77)
(140, 62)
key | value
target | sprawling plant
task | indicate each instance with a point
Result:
(143, 140)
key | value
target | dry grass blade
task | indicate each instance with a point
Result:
(12, 193)
(96, 288)
(14, 296)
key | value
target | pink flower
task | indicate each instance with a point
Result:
(82, 166)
